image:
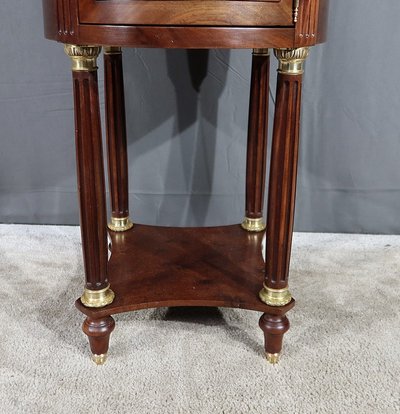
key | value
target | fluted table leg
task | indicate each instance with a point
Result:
(90, 173)
(281, 196)
(257, 141)
(116, 139)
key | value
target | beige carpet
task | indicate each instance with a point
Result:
(341, 354)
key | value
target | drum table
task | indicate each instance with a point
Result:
(151, 266)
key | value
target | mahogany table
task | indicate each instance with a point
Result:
(152, 266)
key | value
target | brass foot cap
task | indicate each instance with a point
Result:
(97, 298)
(275, 297)
(120, 224)
(250, 224)
(99, 359)
(272, 358)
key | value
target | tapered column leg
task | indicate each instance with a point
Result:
(116, 139)
(282, 193)
(274, 327)
(98, 332)
(257, 141)
(90, 173)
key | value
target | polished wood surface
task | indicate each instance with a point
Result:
(90, 173)
(99, 331)
(186, 267)
(282, 182)
(274, 327)
(312, 22)
(116, 134)
(257, 134)
(187, 12)
(166, 266)
(234, 24)
(154, 266)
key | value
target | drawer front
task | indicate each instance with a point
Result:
(187, 12)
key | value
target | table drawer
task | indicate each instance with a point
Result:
(187, 12)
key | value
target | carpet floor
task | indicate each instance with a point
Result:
(341, 355)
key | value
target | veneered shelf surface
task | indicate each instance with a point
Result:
(153, 267)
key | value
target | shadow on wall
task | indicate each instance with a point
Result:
(176, 110)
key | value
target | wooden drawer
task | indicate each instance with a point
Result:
(265, 13)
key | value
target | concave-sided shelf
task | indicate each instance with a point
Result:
(153, 267)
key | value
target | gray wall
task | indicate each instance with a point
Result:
(187, 122)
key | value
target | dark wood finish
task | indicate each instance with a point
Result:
(116, 134)
(63, 23)
(152, 266)
(322, 24)
(187, 37)
(281, 201)
(274, 327)
(98, 332)
(282, 182)
(257, 136)
(311, 24)
(187, 12)
(90, 171)
(157, 266)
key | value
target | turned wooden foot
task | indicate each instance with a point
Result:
(98, 332)
(274, 327)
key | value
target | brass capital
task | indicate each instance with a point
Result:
(291, 61)
(275, 297)
(112, 50)
(250, 224)
(84, 58)
(97, 298)
(120, 224)
(261, 52)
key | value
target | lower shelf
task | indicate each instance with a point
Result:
(154, 267)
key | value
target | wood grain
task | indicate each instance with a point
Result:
(230, 24)
(282, 182)
(98, 332)
(152, 267)
(274, 327)
(116, 134)
(187, 12)
(175, 37)
(90, 173)
(257, 136)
